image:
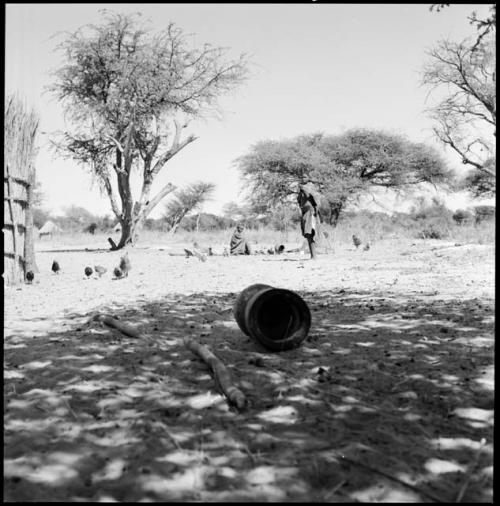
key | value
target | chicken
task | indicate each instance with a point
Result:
(30, 276)
(55, 267)
(88, 271)
(100, 270)
(125, 264)
(356, 241)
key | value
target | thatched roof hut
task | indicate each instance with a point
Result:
(49, 228)
(20, 129)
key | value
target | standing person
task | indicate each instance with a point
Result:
(310, 221)
(239, 245)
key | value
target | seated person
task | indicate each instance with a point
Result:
(239, 245)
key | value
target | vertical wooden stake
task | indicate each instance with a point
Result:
(14, 223)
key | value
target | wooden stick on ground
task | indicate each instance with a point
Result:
(124, 328)
(221, 374)
(472, 468)
(391, 477)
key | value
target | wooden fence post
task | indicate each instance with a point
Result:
(13, 221)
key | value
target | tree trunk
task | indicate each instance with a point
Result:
(126, 236)
(29, 246)
(134, 214)
(198, 223)
(130, 233)
(127, 225)
(174, 228)
(132, 218)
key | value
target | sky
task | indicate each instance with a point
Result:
(317, 67)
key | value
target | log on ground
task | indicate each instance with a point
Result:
(124, 328)
(221, 374)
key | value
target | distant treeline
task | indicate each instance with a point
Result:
(434, 216)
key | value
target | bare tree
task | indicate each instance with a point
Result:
(483, 25)
(129, 95)
(465, 113)
(438, 7)
(186, 201)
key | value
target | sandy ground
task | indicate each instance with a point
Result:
(390, 398)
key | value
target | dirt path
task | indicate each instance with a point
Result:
(401, 408)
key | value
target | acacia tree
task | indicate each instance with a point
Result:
(342, 167)
(128, 95)
(186, 201)
(465, 117)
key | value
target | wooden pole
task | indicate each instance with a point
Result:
(14, 223)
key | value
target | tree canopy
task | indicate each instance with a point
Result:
(128, 96)
(341, 167)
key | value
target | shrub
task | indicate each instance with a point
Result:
(462, 217)
(91, 228)
(430, 233)
(484, 213)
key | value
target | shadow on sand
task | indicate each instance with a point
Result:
(388, 400)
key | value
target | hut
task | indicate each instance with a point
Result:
(48, 229)
(20, 129)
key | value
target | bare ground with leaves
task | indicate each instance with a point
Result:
(389, 399)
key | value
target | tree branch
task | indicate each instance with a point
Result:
(116, 142)
(168, 188)
(128, 142)
(446, 138)
(177, 145)
(111, 195)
